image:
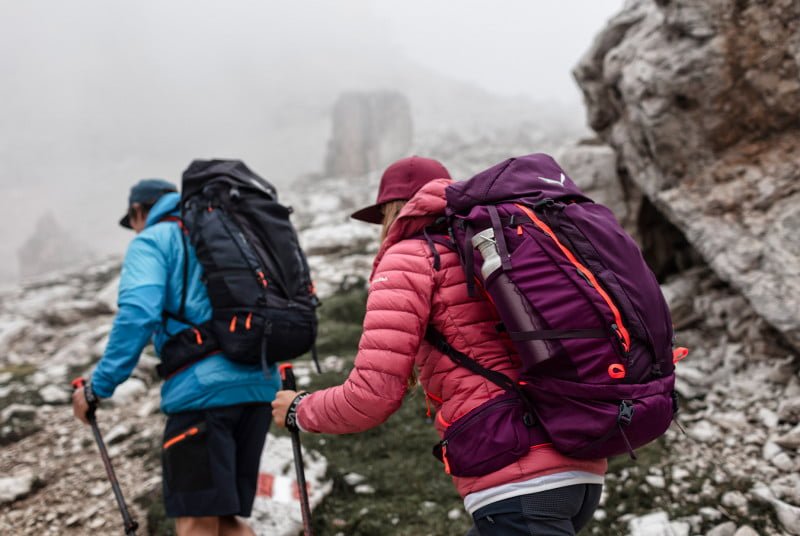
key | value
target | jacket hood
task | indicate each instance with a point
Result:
(167, 205)
(422, 210)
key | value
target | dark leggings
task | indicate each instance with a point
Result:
(556, 512)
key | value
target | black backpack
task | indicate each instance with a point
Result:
(258, 281)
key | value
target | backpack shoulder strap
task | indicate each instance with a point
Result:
(181, 315)
(436, 234)
(433, 336)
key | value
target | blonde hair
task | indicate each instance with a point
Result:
(390, 211)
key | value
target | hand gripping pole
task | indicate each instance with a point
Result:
(287, 375)
(130, 524)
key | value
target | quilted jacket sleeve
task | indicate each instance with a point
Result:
(398, 309)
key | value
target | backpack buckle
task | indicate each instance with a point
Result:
(529, 420)
(625, 415)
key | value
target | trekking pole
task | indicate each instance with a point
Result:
(287, 375)
(130, 524)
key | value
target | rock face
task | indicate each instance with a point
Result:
(50, 248)
(370, 130)
(701, 102)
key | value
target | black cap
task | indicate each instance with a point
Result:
(146, 192)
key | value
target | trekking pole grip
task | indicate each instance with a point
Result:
(80, 383)
(287, 377)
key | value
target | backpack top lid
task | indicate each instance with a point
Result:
(200, 172)
(529, 179)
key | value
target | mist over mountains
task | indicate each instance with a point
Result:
(100, 95)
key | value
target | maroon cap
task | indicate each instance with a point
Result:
(402, 180)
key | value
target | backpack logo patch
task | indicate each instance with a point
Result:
(559, 182)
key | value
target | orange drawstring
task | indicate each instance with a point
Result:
(444, 459)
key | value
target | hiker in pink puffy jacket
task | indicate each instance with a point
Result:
(543, 492)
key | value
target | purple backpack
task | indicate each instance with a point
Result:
(583, 310)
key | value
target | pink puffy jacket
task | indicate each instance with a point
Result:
(405, 295)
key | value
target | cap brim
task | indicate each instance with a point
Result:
(126, 222)
(371, 214)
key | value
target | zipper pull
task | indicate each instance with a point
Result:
(428, 409)
(444, 457)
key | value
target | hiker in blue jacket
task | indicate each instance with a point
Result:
(218, 410)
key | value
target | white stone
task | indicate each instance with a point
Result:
(454, 514)
(118, 433)
(679, 473)
(710, 513)
(18, 411)
(770, 450)
(730, 420)
(768, 417)
(364, 489)
(657, 482)
(353, 479)
(428, 506)
(704, 432)
(734, 499)
(129, 392)
(100, 488)
(96, 523)
(52, 394)
(746, 530)
(783, 462)
(789, 409)
(600, 515)
(657, 524)
(790, 440)
(11, 332)
(725, 529)
(15, 487)
(788, 515)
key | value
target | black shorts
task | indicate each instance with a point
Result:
(210, 460)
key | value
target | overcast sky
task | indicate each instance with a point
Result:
(506, 46)
(96, 94)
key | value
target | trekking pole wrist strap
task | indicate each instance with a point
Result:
(91, 397)
(291, 413)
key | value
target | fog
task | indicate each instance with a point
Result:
(97, 94)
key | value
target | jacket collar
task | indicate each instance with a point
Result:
(167, 205)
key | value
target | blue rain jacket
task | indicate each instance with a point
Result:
(151, 280)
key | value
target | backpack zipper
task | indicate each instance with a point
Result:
(618, 326)
(459, 426)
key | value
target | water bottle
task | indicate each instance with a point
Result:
(514, 309)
